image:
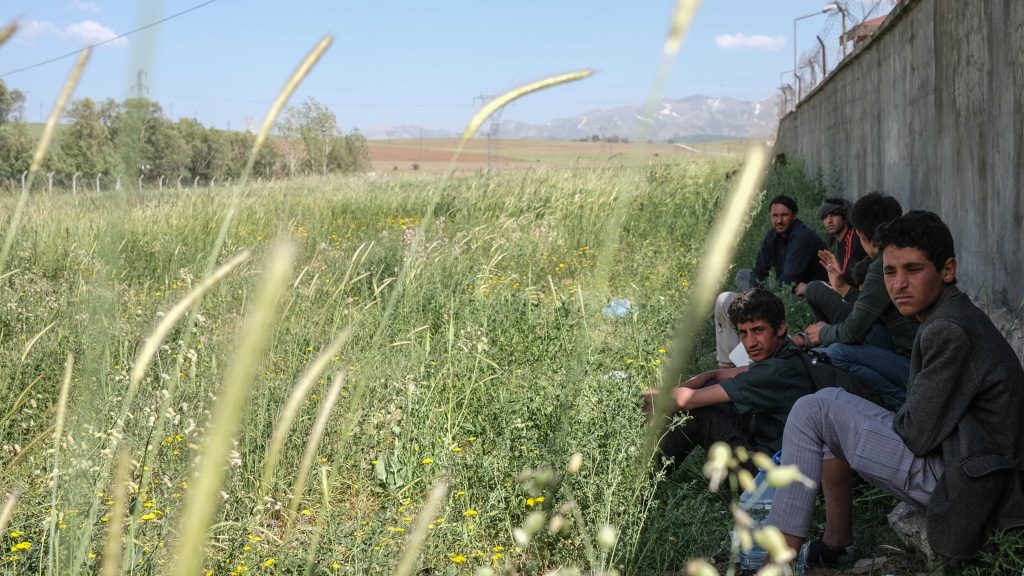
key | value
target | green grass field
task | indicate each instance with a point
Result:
(493, 358)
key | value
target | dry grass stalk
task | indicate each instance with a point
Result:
(32, 342)
(512, 95)
(58, 433)
(286, 92)
(294, 403)
(314, 441)
(203, 499)
(419, 535)
(171, 318)
(7, 31)
(8, 510)
(719, 251)
(111, 563)
(282, 98)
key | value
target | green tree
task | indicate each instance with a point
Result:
(319, 131)
(207, 150)
(15, 141)
(86, 145)
(289, 141)
(309, 137)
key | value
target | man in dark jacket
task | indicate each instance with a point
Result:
(956, 447)
(790, 248)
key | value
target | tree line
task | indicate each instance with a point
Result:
(133, 140)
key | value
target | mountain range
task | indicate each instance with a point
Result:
(690, 119)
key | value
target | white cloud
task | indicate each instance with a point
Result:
(86, 33)
(90, 32)
(756, 42)
(31, 30)
(83, 6)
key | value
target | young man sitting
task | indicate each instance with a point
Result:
(955, 448)
(747, 405)
(866, 335)
(843, 250)
(790, 248)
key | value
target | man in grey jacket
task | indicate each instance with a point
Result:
(956, 447)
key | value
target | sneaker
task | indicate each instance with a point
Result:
(822, 555)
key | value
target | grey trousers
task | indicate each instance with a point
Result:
(835, 424)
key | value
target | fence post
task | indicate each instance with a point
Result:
(160, 181)
(195, 183)
(49, 182)
(74, 184)
(179, 181)
(212, 181)
(23, 174)
(97, 183)
(140, 183)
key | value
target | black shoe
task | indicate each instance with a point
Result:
(823, 555)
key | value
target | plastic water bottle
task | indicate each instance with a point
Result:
(757, 503)
(618, 308)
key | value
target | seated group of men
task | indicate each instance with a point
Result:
(935, 417)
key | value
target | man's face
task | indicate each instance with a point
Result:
(834, 223)
(782, 218)
(759, 339)
(912, 280)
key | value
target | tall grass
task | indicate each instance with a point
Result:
(480, 374)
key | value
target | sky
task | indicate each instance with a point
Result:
(403, 62)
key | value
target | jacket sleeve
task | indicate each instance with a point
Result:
(941, 391)
(801, 254)
(872, 300)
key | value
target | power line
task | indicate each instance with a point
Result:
(108, 40)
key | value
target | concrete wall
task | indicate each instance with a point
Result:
(932, 112)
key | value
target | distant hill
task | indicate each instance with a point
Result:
(688, 120)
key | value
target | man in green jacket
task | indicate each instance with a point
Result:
(866, 334)
(745, 405)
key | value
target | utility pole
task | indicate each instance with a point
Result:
(140, 88)
(493, 129)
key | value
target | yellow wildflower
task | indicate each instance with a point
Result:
(428, 460)
(470, 512)
(458, 558)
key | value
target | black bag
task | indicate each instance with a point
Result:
(826, 375)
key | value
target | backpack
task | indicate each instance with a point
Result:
(826, 375)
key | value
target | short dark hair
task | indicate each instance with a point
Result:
(873, 210)
(757, 304)
(785, 201)
(922, 230)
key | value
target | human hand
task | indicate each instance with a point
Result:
(800, 289)
(813, 331)
(829, 261)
